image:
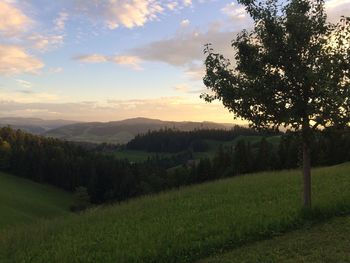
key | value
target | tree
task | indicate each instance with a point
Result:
(291, 70)
(5, 153)
(265, 156)
(82, 199)
(242, 158)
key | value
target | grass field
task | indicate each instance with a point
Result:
(325, 242)
(183, 225)
(23, 201)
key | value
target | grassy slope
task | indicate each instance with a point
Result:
(326, 242)
(181, 226)
(23, 201)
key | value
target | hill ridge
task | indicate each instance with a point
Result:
(120, 132)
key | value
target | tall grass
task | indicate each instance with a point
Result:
(325, 242)
(183, 225)
(23, 201)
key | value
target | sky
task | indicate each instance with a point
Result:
(105, 60)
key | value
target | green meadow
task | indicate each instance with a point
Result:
(184, 225)
(325, 242)
(23, 201)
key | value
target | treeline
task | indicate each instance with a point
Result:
(172, 140)
(106, 178)
(68, 166)
(329, 147)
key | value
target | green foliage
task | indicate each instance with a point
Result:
(23, 201)
(242, 161)
(172, 140)
(5, 153)
(181, 226)
(292, 69)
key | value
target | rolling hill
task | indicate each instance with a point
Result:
(23, 201)
(120, 132)
(33, 125)
(183, 225)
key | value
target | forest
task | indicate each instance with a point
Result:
(172, 140)
(108, 179)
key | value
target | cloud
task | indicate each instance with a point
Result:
(15, 60)
(132, 61)
(185, 23)
(234, 11)
(195, 71)
(166, 108)
(60, 21)
(127, 13)
(184, 49)
(114, 13)
(187, 2)
(124, 60)
(94, 58)
(187, 89)
(12, 20)
(52, 40)
(182, 88)
(172, 5)
(45, 43)
(27, 96)
(24, 83)
(55, 70)
(25, 91)
(337, 8)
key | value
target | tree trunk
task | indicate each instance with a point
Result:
(306, 174)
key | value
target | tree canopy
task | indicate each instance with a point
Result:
(292, 70)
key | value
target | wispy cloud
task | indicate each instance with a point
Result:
(24, 83)
(60, 21)
(55, 70)
(337, 8)
(12, 20)
(184, 48)
(15, 60)
(45, 43)
(234, 11)
(93, 58)
(185, 23)
(27, 96)
(132, 61)
(124, 60)
(166, 108)
(129, 14)
(184, 88)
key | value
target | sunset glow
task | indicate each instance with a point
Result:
(109, 60)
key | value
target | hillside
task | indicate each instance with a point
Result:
(33, 125)
(183, 225)
(120, 132)
(23, 201)
(325, 242)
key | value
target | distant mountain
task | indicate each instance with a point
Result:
(33, 125)
(123, 131)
